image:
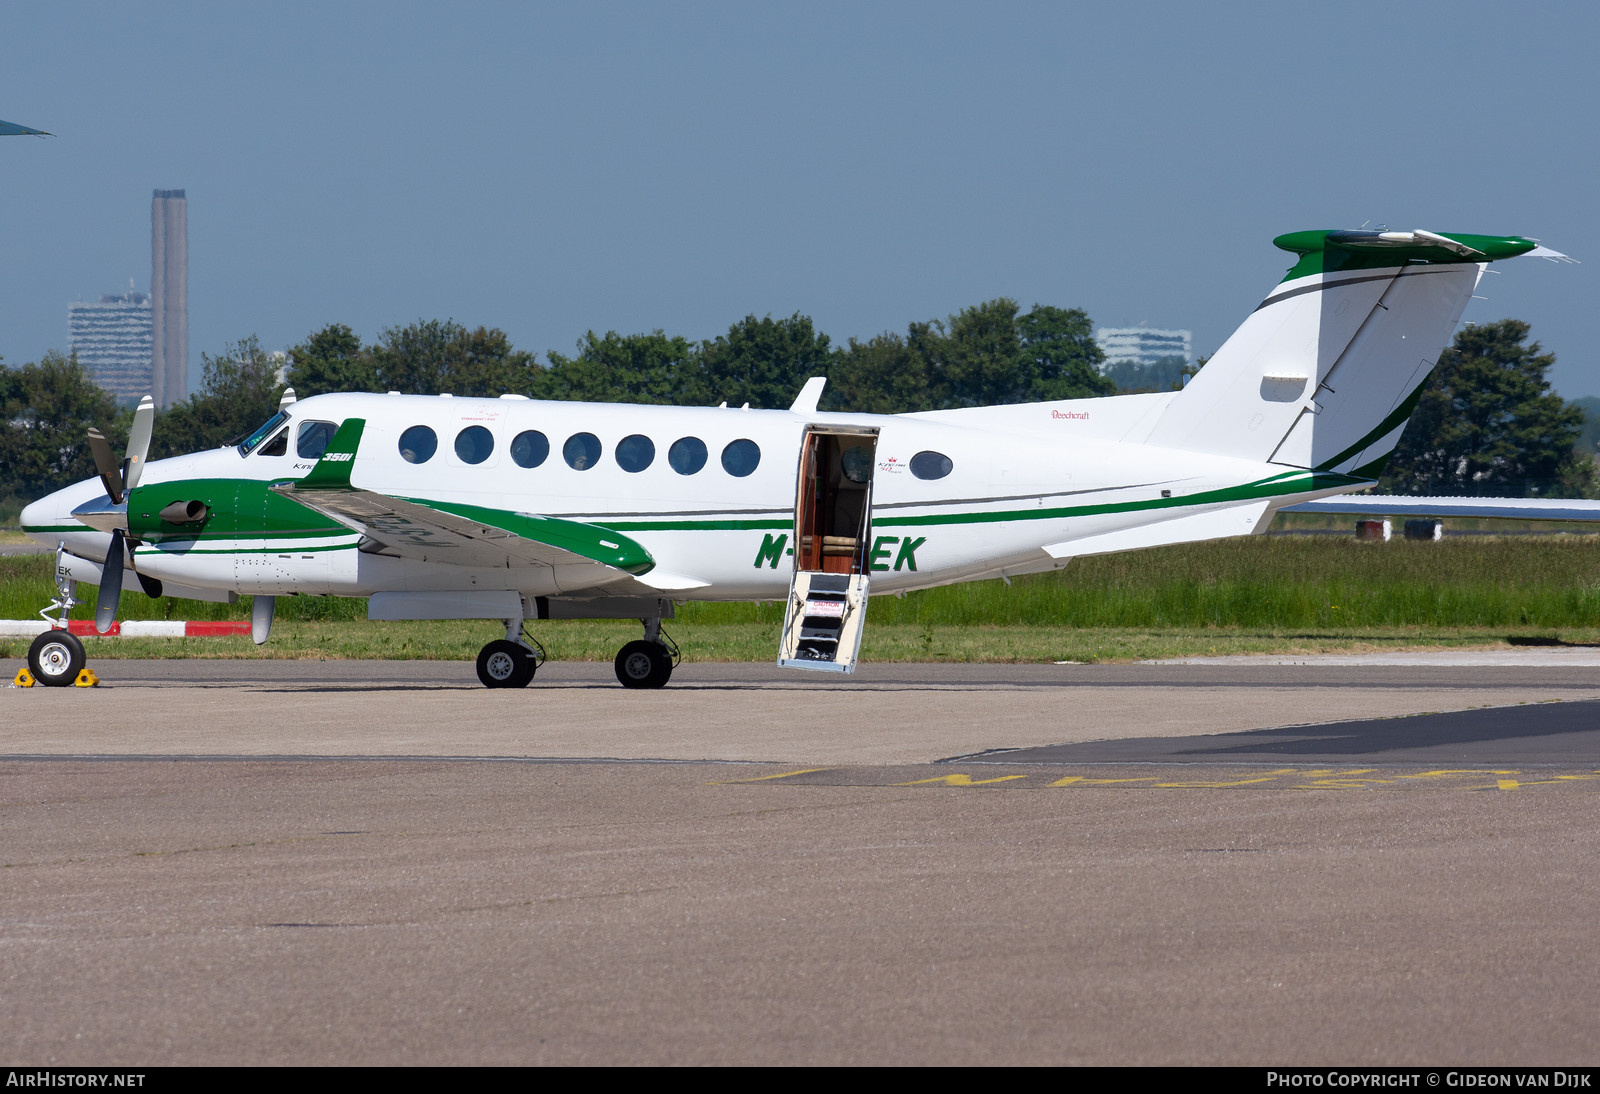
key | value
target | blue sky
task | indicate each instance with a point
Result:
(550, 169)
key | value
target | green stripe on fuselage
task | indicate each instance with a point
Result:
(283, 519)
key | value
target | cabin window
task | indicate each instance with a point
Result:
(249, 444)
(418, 444)
(856, 463)
(278, 446)
(582, 451)
(474, 443)
(635, 453)
(740, 457)
(687, 455)
(931, 465)
(530, 448)
(312, 440)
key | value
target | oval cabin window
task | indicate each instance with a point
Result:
(687, 455)
(418, 444)
(635, 453)
(582, 451)
(856, 463)
(474, 443)
(530, 448)
(741, 457)
(931, 465)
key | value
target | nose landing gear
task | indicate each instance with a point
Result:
(56, 657)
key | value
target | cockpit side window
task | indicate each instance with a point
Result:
(312, 440)
(248, 445)
(278, 446)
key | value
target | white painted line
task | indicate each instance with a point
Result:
(154, 628)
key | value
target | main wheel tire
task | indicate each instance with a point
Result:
(503, 664)
(643, 664)
(56, 658)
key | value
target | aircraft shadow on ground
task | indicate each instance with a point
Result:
(1468, 731)
(1419, 731)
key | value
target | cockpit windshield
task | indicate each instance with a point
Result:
(251, 442)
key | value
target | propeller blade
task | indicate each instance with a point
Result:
(106, 464)
(139, 442)
(105, 605)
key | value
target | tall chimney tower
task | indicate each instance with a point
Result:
(169, 296)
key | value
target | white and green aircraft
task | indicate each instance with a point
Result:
(508, 509)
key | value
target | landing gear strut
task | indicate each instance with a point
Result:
(510, 662)
(647, 663)
(56, 656)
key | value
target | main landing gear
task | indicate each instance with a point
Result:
(647, 663)
(650, 661)
(511, 662)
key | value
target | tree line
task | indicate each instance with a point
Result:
(986, 354)
(1487, 423)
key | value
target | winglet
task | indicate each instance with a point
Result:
(333, 469)
(810, 395)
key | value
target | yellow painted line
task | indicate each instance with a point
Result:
(769, 778)
(1449, 772)
(1512, 784)
(1200, 785)
(959, 780)
(1079, 780)
(1343, 784)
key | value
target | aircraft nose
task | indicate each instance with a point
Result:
(42, 520)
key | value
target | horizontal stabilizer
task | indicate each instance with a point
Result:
(1504, 508)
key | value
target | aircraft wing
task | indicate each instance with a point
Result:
(1397, 505)
(463, 535)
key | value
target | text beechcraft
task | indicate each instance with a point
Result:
(509, 509)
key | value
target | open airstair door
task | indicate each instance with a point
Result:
(832, 517)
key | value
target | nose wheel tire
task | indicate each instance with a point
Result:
(503, 664)
(643, 665)
(56, 658)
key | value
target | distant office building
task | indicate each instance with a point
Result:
(1143, 345)
(169, 291)
(112, 340)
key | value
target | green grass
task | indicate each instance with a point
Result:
(1259, 594)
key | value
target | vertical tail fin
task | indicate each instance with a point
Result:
(1325, 372)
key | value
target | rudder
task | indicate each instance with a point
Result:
(1326, 370)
